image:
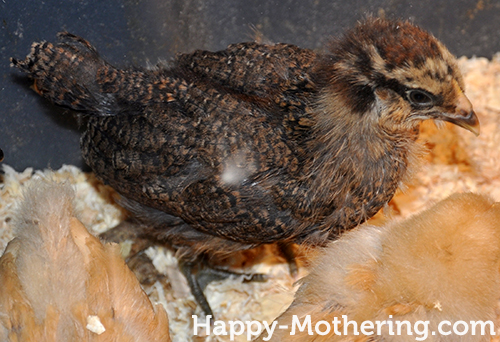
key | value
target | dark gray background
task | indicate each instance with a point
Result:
(140, 32)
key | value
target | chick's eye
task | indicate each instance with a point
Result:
(420, 98)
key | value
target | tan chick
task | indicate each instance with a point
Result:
(440, 266)
(60, 283)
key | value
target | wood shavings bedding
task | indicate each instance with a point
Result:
(456, 162)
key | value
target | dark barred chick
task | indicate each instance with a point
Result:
(255, 144)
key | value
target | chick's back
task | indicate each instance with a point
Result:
(212, 138)
(437, 266)
(60, 283)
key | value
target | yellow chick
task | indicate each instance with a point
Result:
(60, 283)
(432, 277)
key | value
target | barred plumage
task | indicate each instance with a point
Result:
(257, 143)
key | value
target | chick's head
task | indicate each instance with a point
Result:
(395, 74)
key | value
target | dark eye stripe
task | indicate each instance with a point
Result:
(390, 83)
(393, 84)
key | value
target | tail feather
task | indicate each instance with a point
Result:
(65, 73)
(70, 73)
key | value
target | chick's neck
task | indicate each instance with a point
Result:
(353, 150)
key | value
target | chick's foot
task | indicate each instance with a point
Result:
(200, 273)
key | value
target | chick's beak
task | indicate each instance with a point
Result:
(463, 115)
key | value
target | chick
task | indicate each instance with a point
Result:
(255, 144)
(440, 265)
(60, 283)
